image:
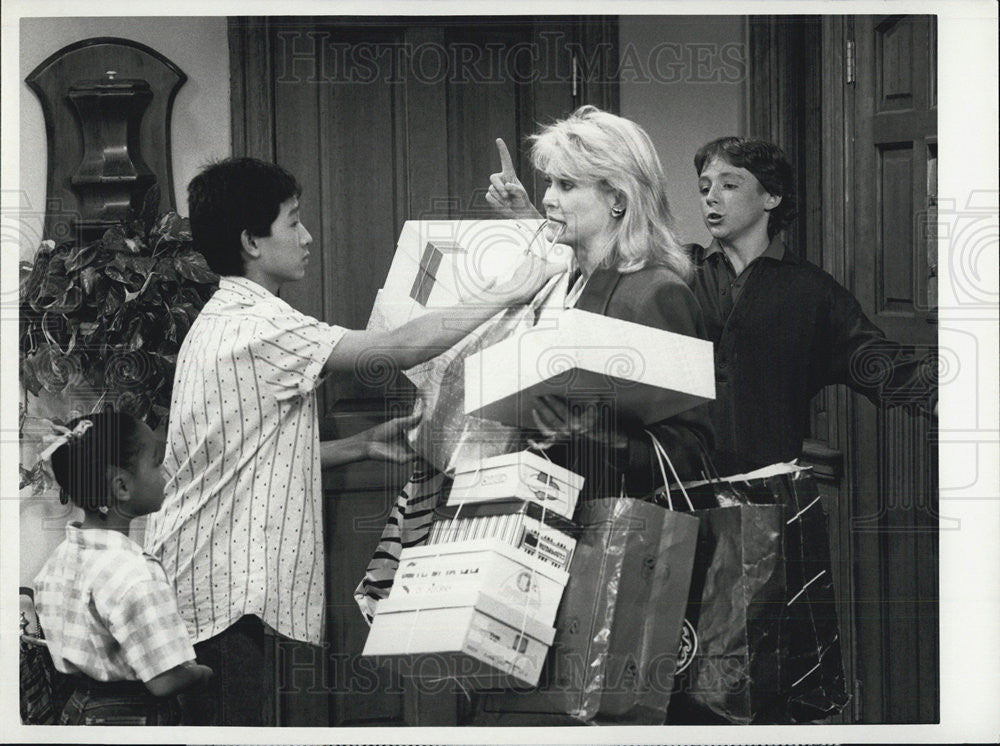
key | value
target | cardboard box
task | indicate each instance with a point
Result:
(469, 636)
(644, 373)
(524, 525)
(510, 576)
(524, 475)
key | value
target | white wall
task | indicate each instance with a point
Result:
(682, 80)
(200, 127)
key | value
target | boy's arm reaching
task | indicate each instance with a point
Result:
(385, 442)
(426, 337)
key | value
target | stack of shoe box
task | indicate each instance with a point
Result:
(478, 602)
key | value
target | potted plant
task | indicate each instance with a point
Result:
(108, 316)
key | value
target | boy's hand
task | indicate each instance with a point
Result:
(388, 441)
(528, 278)
(507, 195)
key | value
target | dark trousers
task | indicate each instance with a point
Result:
(240, 692)
(117, 703)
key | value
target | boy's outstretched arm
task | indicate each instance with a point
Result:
(177, 678)
(426, 337)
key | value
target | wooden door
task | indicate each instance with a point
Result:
(385, 120)
(895, 495)
(852, 101)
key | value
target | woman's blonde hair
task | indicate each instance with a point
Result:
(591, 145)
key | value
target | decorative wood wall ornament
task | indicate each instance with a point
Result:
(107, 104)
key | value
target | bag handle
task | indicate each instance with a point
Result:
(661, 457)
(731, 493)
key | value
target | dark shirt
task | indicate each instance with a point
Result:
(791, 330)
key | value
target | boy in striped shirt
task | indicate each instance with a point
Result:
(240, 530)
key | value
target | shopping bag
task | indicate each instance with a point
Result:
(761, 636)
(618, 626)
(812, 685)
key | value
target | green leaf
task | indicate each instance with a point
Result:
(112, 302)
(51, 286)
(80, 259)
(192, 266)
(87, 279)
(56, 370)
(28, 377)
(114, 239)
(70, 300)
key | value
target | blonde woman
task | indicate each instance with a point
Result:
(606, 197)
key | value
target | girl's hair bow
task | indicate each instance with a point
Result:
(65, 435)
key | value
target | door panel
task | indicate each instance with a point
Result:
(856, 114)
(894, 453)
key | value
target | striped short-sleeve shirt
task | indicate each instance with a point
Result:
(240, 530)
(107, 610)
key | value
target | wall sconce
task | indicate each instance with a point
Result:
(107, 104)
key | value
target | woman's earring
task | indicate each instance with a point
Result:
(617, 212)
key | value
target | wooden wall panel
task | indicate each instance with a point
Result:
(477, 115)
(893, 68)
(896, 255)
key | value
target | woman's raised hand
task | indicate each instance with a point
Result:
(506, 192)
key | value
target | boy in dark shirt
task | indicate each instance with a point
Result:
(782, 327)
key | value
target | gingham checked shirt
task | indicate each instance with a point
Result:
(107, 610)
(240, 531)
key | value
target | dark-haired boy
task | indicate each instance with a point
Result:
(240, 530)
(783, 328)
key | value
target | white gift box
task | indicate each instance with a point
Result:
(469, 636)
(443, 263)
(645, 373)
(439, 263)
(524, 525)
(509, 575)
(524, 475)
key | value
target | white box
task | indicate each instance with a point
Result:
(509, 575)
(439, 263)
(524, 475)
(468, 636)
(524, 525)
(645, 373)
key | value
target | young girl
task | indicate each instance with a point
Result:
(106, 608)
